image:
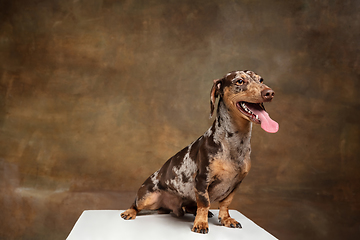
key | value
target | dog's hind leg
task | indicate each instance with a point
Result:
(159, 200)
(171, 202)
(147, 197)
(149, 201)
(130, 213)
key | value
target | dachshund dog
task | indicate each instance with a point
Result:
(211, 168)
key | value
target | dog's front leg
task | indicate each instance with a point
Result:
(203, 204)
(224, 216)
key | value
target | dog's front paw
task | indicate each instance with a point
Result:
(200, 227)
(129, 214)
(230, 222)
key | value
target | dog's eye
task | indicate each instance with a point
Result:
(261, 80)
(240, 82)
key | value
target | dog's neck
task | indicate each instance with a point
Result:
(231, 119)
(234, 137)
(229, 125)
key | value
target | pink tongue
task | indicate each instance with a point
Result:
(267, 123)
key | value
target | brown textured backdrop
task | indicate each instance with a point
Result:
(95, 95)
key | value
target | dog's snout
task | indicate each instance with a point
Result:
(267, 94)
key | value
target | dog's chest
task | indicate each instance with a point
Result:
(229, 166)
(225, 174)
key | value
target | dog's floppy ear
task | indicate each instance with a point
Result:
(215, 91)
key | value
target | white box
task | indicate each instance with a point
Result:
(108, 225)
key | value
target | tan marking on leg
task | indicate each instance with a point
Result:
(224, 216)
(201, 220)
(129, 214)
(149, 201)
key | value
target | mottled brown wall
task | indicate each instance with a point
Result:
(96, 94)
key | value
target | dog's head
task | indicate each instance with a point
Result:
(244, 93)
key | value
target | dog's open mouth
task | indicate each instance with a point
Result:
(257, 114)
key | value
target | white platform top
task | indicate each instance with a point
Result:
(108, 225)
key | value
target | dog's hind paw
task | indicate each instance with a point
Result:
(129, 214)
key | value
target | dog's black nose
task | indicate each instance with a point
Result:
(267, 94)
